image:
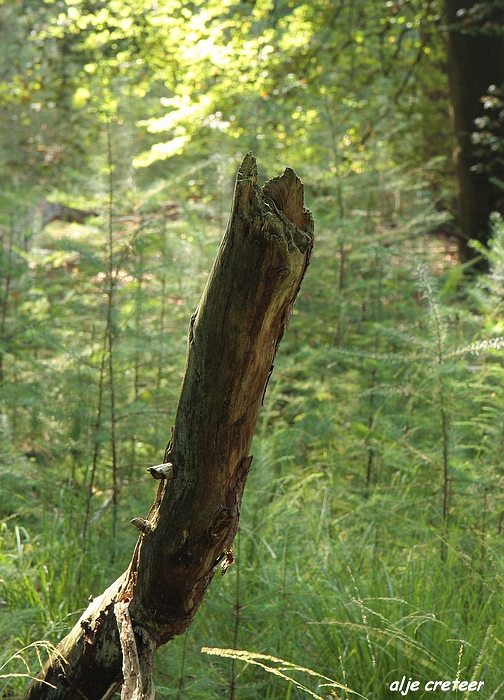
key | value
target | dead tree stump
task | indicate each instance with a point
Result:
(233, 338)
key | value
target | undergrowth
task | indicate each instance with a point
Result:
(370, 545)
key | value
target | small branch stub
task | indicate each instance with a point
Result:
(161, 471)
(141, 524)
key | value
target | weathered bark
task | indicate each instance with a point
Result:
(233, 338)
(475, 62)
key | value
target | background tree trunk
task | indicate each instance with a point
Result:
(475, 62)
(233, 339)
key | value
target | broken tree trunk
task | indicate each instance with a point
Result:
(233, 338)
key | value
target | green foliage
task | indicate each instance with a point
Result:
(488, 138)
(316, 82)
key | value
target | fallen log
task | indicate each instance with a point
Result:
(233, 338)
